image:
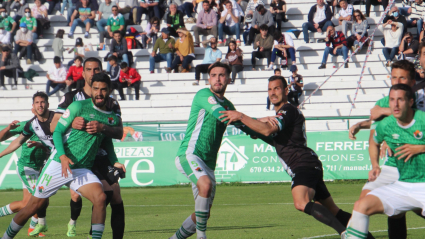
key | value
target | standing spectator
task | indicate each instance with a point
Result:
(131, 78)
(212, 55)
(277, 72)
(235, 57)
(345, 16)
(57, 44)
(392, 34)
(115, 74)
(185, 52)
(295, 85)
(56, 77)
(174, 20)
(148, 7)
(164, 44)
(395, 16)
(23, 38)
(206, 23)
(118, 49)
(247, 28)
(384, 4)
(358, 30)
(319, 19)
(278, 9)
(408, 47)
(282, 45)
(339, 46)
(106, 11)
(31, 22)
(53, 5)
(83, 16)
(417, 11)
(229, 24)
(79, 50)
(8, 22)
(261, 17)
(39, 12)
(263, 44)
(74, 78)
(9, 64)
(151, 32)
(252, 5)
(115, 22)
(4, 36)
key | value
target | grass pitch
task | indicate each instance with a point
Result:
(239, 211)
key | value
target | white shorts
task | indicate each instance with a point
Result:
(387, 176)
(193, 168)
(28, 176)
(401, 197)
(51, 179)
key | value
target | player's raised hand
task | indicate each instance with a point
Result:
(230, 116)
(384, 150)
(65, 162)
(374, 173)
(120, 165)
(409, 150)
(94, 127)
(353, 131)
(78, 123)
(14, 124)
(270, 119)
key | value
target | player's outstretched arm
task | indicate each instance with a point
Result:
(263, 128)
(5, 133)
(54, 122)
(357, 127)
(18, 142)
(115, 132)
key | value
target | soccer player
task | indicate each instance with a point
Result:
(404, 126)
(74, 155)
(301, 163)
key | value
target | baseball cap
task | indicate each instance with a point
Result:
(165, 30)
(293, 68)
(78, 40)
(23, 24)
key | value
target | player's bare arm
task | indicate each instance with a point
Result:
(5, 133)
(374, 159)
(357, 127)
(377, 112)
(94, 127)
(256, 125)
(54, 122)
(18, 142)
(409, 150)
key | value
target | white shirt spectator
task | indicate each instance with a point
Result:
(288, 40)
(418, 11)
(57, 74)
(320, 14)
(347, 12)
(392, 39)
(5, 37)
(229, 21)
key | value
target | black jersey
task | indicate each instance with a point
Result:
(41, 129)
(291, 140)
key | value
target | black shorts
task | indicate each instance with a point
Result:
(102, 167)
(312, 178)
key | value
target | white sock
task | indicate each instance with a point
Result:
(358, 226)
(187, 229)
(4, 211)
(201, 211)
(12, 230)
(42, 221)
(97, 230)
(34, 222)
(72, 222)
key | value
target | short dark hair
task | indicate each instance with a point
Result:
(277, 70)
(56, 59)
(259, 8)
(422, 45)
(92, 59)
(116, 31)
(27, 8)
(281, 78)
(60, 33)
(220, 64)
(79, 58)
(113, 58)
(264, 27)
(405, 65)
(408, 34)
(42, 95)
(277, 35)
(409, 92)
(123, 65)
(101, 77)
(342, 1)
(206, 1)
(115, 6)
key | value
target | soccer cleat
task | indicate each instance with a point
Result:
(31, 229)
(38, 228)
(88, 237)
(72, 231)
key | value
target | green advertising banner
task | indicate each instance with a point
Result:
(150, 159)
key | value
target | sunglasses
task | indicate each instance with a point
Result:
(356, 15)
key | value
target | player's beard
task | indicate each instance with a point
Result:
(219, 90)
(99, 104)
(43, 112)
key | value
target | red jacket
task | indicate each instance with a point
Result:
(131, 75)
(76, 73)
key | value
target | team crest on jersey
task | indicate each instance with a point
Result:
(40, 189)
(66, 114)
(198, 169)
(111, 120)
(396, 136)
(418, 134)
(33, 187)
(212, 100)
(281, 112)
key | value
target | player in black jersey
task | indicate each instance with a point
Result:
(101, 168)
(286, 131)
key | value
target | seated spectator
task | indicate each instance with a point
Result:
(358, 30)
(282, 45)
(417, 10)
(206, 23)
(188, 8)
(408, 47)
(31, 23)
(345, 16)
(278, 9)
(83, 16)
(57, 44)
(118, 49)
(384, 4)
(115, 22)
(130, 6)
(18, 6)
(151, 32)
(9, 64)
(115, 73)
(212, 55)
(56, 77)
(392, 34)
(165, 45)
(261, 17)
(235, 57)
(319, 19)
(252, 5)
(263, 44)
(8, 22)
(105, 12)
(247, 28)
(79, 50)
(67, 4)
(92, 3)
(23, 38)
(4, 36)
(130, 78)
(332, 4)
(395, 16)
(150, 8)
(53, 5)
(174, 20)
(185, 52)
(339, 46)
(229, 24)
(74, 78)
(39, 12)
(295, 84)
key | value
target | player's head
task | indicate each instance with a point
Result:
(278, 90)
(219, 77)
(403, 72)
(100, 89)
(40, 103)
(401, 100)
(91, 66)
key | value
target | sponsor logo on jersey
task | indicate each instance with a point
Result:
(36, 128)
(396, 136)
(212, 100)
(66, 114)
(92, 116)
(40, 189)
(111, 120)
(418, 134)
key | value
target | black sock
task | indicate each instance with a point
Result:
(118, 220)
(108, 199)
(324, 216)
(397, 228)
(76, 209)
(343, 217)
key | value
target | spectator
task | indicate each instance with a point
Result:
(206, 23)
(345, 16)
(31, 22)
(229, 24)
(74, 78)
(295, 85)
(188, 8)
(39, 12)
(151, 32)
(148, 7)
(420, 67)
(319, 19)
(118, 49)
(282, 44)
(392, 34)
(23, 38)
(395, 16)
(185, 52)
(115, 22)
(164, 44)
(4, 36)
(417, 10)
(83, 16)
(277, 72)
(212, 55)
(358, 30)
(247, 28)
(56, 77)
(406, 10)
(235, 57)
(105, 12)
(384, 4)
(131, 8)
(67, 4)
(79, 50)
(332, 4)
(19, 7)
(53, 5)
(339, 46)
(130, 78)
(93, 5)
(261, 17)
(115, 74)
(264, 43)
(174, 20)
(278, 9)
(9, 64)
(57, 44)
(8, 22)
(252, 5)
(408, 47)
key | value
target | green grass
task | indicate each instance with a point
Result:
(239, 211)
